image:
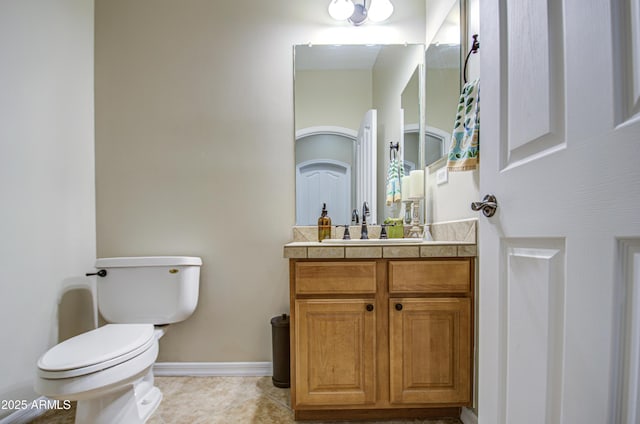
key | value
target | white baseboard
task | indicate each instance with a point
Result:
(212, 369)
(467, 416)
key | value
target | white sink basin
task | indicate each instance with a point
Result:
(374, 241)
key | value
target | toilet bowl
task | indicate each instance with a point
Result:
(109, 370)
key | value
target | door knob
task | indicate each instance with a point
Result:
(488, 205)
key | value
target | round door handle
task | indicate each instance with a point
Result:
(398, 306)
(369, 307)
(488, 205)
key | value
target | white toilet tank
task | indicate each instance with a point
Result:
(153, 289)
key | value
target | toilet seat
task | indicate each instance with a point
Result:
(96, 350)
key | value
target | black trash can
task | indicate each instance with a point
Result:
(280, 345)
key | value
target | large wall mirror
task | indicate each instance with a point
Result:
(413, 121)
(443, 78)
(351, 102)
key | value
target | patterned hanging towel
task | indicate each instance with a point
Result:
(394, 175)
(465, 140)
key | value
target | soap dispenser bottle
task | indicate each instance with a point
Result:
(324, 224)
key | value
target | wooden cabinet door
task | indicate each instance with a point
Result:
(430, 351)
(335, 352)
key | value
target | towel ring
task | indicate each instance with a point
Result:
(475, 46)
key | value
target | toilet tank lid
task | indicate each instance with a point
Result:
(139, 261)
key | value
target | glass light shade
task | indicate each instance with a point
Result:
(379, 10)
(341, 10)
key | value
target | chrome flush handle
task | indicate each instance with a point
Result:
(488, 205)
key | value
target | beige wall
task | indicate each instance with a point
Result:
(410, 99)
(195, 154)
(47, 217)
(441, 99)
(332, 97)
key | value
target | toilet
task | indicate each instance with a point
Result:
(109, 370)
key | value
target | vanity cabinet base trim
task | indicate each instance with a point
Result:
(378, 414)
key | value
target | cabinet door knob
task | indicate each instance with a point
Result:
(398, 306)
(369, 307)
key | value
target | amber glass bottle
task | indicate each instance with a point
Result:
(324, 224)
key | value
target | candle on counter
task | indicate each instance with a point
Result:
(417, 184)
(405, 186)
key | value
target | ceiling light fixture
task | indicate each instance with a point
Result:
(379, 10)
(359, 13)
(341, 9)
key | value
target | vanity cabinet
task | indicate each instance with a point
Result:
(335, 333)
(336, 352)
(430, 331)
(381, 338)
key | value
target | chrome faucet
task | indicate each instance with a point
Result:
(364, 232)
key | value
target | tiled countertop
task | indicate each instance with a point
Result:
(460, 241)
(420, 249)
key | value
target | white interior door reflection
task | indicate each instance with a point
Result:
(323, 181)
(366, 160)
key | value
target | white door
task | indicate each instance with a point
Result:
(365, 163)
(323, 181)
(559, 287)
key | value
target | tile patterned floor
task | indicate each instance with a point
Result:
(219, 400)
